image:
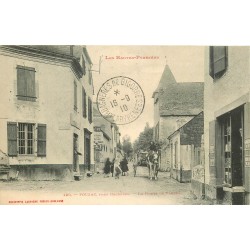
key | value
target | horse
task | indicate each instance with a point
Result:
(152, 159)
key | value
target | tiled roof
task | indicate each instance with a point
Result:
(181, 99)
(63, 50)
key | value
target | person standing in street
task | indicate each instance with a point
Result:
(117, 165)
(107, 168)
(112, 167)
(124, 166)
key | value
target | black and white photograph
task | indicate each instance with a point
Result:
(124, 125)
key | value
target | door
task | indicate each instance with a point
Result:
(87, 152)
(237, 147)
(75, 153)
(233, 147)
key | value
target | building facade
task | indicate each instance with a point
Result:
(175, 103)
(185, 148)
(227, 124)
(107, 139)
(46, 110)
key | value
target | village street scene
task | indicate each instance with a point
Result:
(124, 125)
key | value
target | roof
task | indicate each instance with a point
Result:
(179, 98)
(200, 115)
(166, 78)
(64, 53)
(70, 50)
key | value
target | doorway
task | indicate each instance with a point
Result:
(75, 153)
(87, 148)
(232, 147)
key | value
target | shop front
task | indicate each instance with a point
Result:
(229, 154)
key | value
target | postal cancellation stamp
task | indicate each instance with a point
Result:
(120, 100)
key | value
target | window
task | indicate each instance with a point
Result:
(21, 139)
(90, 110)
(75, 96)
(84, 103)
(218, 61)
(26, 88)
(25, 139)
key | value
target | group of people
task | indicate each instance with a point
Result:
(118, 166)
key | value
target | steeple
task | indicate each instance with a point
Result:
(166, 79)
(167, 76)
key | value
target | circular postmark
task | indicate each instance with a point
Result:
(120, 100)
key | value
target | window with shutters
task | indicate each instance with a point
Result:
(75, 96)
(90, 110)
(25, 139)
(22, 137)
(218, 61)
(84, 103)
(26, 87)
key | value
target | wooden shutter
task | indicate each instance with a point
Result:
(83, 65)
(30, 82)
(84, 103)
(41, 140)
(12, 138)
(215, 153)
(21, 84)
(90, 110)
(26, 87)
(212, 170)
(75, 96)
(218, 60)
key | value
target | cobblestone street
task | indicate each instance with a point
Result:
(100, 190)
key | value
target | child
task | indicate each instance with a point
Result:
(117, 172)
(117, 165)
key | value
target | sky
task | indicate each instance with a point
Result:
(186, 63)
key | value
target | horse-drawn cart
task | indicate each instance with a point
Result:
(149, 160)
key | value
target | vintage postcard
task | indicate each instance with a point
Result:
(124, 125)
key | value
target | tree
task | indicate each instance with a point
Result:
(127, 145)
(142, 142)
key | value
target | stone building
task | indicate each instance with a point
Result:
(46, 110)
(185, 148)
(227, 124)
(175, 103)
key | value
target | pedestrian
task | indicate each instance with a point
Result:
(124, 166)
(117, 172)
(117, 165)
(107, 168)
(112, 167)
